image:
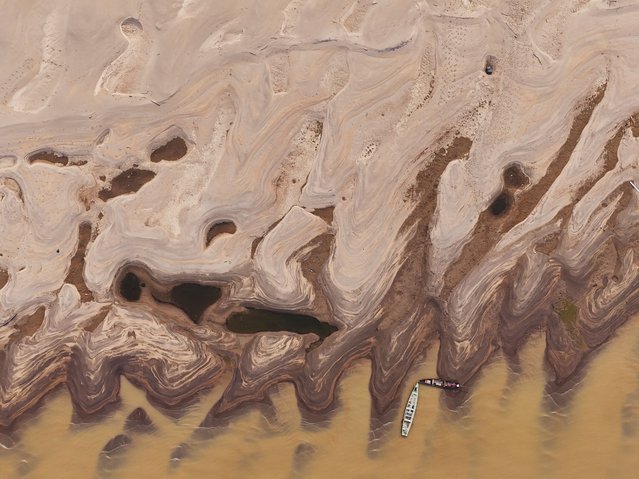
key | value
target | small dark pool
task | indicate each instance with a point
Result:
(130, 287)
(501, 204)
(254, 321)
(193, 298)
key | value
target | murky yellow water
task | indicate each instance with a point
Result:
(508, 429)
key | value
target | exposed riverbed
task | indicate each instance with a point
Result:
(508, 428)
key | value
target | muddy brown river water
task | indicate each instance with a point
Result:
(508, 428)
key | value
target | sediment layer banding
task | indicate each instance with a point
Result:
(367, 171)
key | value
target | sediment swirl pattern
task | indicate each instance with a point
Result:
(404, 172)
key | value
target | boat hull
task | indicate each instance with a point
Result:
(409, 412)
(440, 383)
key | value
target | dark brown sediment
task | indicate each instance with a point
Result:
(317, 379)
(312, 268)
(4, 277)
(411, 321)
(129, 181)
(29, 324)
(581, 287)
(325, 213)
(254, 244)
(172, 150)
(49, 156)
(488, 228)
(218, 228)
(514, 177)
(572, 307)
(634, 125)
(75, 276)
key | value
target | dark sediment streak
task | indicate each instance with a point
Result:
(76, 268)
(4, 278)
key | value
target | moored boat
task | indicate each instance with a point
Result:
(440, 383)
(409, 412)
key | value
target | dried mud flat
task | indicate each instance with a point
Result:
(168, 169)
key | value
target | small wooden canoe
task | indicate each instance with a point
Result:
(409, 412)
(440, 383)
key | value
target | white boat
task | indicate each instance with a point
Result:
(409, 412)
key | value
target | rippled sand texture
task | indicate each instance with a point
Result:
(351, 161)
